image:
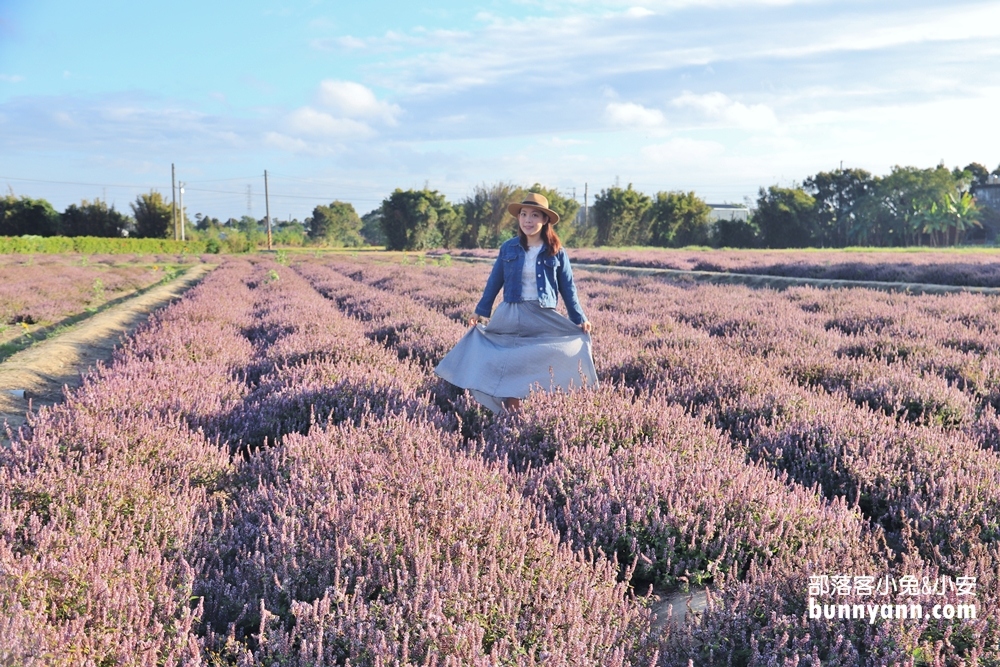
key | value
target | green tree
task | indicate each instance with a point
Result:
(93, 219)
(906, 197)
(289, 233)
(23, 215)
(205, 223)
(336, 225)
(786, 217)
(253, 230)
(974, 172)
(419, 220)
(371, 227)
(960, 214)
(736, 234)
(152, 216)
(841, 196)
(677, 219)
(620, 216)
(486, 222)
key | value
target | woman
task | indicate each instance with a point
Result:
(525, 343)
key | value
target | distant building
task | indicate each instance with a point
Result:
(729, 212)
(987, 196)
(988, 193)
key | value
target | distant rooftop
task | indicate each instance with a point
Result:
(729, 212)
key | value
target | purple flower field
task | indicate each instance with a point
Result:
(269, 472)
(43, 289)
(972, 268)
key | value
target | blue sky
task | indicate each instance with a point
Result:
(348, 101)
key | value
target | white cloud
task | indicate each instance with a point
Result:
(683, 150)
(11, 78)
(353, 100)
(867, 32)
(629, 114)
(639, 12)
(348, 112)
(316, 123)
(63, 119)
(718, 106)
(294, 144)
(558, 142)
(349, 42)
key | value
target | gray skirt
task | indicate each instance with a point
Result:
(523, 347)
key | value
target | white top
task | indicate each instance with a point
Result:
(532, 269)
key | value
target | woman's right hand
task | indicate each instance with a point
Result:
(474, 320)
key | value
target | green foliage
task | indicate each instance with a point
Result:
(487, 224)
(336, 225)
(253, 232)
(974, 173)
(23, 215)
(736, 234)
(152, 216)
(94, 219)
(840, 197)
(786, 217)
(948, 220)
(850, 207)
(290, 233)
(906, 195)
(419, 220)
(207, 223)
(678, 219)
(620, 216)
(371, 228)
(226, 237)
(95, 245)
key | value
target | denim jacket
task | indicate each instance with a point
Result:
(554, 276)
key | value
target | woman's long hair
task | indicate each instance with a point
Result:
(552, 243)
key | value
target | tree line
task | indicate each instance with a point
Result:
(843, 207)
(423, 219)
(909, 206)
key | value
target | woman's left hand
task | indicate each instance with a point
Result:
(586, 327)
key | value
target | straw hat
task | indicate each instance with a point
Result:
(534, 201)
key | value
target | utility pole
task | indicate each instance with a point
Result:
(181, 183)
(586, 210)
(173, 198)
(267, 211)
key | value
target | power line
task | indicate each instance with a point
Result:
(219, 180)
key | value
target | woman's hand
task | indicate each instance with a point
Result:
(586, 327)
(474, 320)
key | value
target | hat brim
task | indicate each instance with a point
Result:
(515, 209)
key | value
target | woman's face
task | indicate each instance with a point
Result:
(531, 220)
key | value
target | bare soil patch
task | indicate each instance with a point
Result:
(36, 376)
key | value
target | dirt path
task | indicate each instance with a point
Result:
(39, 373)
